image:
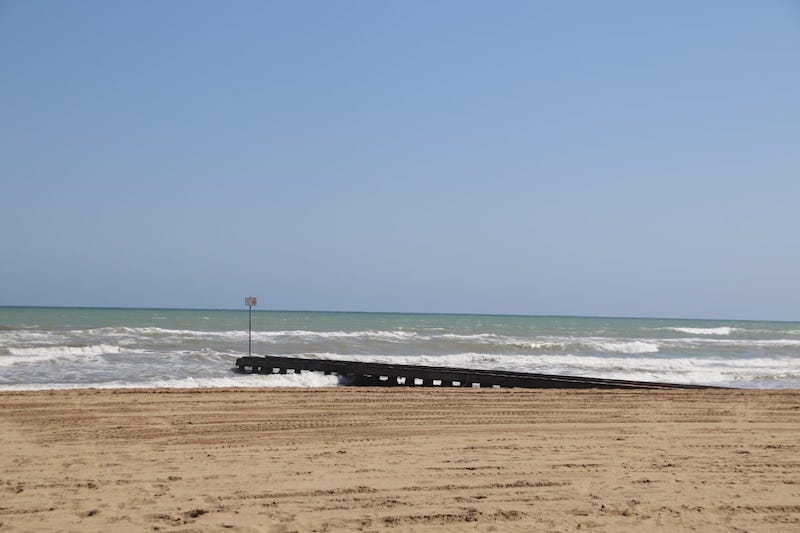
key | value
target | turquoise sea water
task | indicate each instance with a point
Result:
(88, 347)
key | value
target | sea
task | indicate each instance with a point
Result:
(65, 348)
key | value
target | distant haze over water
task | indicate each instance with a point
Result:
(45, 348)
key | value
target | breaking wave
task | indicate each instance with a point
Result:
(723, 330)
(310, 379)
(627, 347)
(265, 336)
(52, 353)
(65, 350)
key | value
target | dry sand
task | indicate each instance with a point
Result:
(399, 459)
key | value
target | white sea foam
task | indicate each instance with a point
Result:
(20, 336)
(543, 345)
(723, 330)
(37, 351)
(306, 379)
(582, 344)
(373, 335)
(476, 336)
(304, 335)
(602, 344)
(264, 336)
(626, 347)
(39, 354)
(151, 331)
(733, 343)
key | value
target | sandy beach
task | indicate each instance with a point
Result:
(346, 459)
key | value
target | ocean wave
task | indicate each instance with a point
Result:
(30, 336)
(148, 331)
(400, 335)
(741, 343)
(543, 345)
(472, 337)
(601, 344)
(722, 330)
(631, 347)
(306, 379)
(38, 354)
(396, 335)
(37, 351)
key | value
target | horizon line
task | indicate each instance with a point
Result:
(244, 308)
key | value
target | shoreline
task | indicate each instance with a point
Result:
(191, 385)
(344, 458)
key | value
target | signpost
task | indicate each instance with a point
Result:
(250, 301)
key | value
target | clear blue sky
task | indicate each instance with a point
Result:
(584, 158)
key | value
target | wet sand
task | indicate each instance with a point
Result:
(349, 459)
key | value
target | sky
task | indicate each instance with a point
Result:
(550, 158)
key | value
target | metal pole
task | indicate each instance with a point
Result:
(250, 301)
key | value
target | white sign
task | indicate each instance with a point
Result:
(250, 301)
